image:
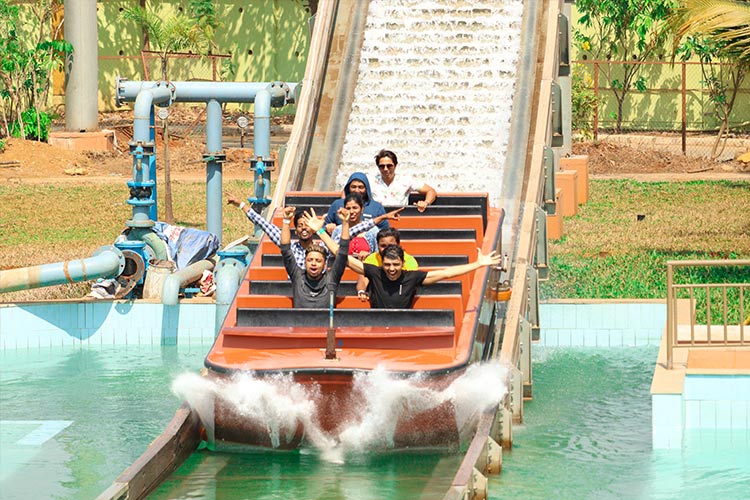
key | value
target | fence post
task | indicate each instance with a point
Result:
(596, 98)
(684, 108)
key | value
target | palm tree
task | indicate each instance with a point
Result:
(725, 21)
(173, 34)
(716, 30)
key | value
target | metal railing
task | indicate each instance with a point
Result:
(718, 307)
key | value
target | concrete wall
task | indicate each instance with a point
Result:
(76, 324)
(267, 40)
(609, 323)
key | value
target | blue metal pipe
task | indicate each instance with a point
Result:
(228, 276)
(262, 125)
(214, 159)
(144, 103)
(178, 280)
(107, 262)
(142, 148)
(127, 91)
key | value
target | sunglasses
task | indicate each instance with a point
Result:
(387, 165)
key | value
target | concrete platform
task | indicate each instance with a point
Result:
(101, 140)
(707, 388)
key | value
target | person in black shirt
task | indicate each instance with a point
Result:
(392, 287)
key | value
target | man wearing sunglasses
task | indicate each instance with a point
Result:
(394, 191)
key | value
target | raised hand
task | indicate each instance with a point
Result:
(395, 214)
(288, 212)
(231, 199)
(491, 259)
(343, 214)
(312, 221)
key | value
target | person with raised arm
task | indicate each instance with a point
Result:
(304, 233)
(385, 238)
(312, 287)
(393, 287)
(317, 224)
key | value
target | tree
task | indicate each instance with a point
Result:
(625, 30)
(27, 60)
(718, 33)
(177, 33)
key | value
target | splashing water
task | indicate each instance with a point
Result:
(279, 404)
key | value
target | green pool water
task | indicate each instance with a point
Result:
(587, 435)
(72, 420)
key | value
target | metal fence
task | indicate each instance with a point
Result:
(671, 107)
(716, 302)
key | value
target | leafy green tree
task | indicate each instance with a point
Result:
(718, 33)
(623, 30)
(29, 53)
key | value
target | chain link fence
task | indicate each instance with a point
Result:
(670, 107)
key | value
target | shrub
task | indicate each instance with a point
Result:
(32, 129)
(584, 101)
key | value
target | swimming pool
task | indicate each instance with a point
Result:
(72, 419)
(587, 434)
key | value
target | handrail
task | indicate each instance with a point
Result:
(731, 304)
(523, 257)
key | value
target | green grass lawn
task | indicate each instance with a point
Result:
(607, 252)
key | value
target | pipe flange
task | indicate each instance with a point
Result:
(132, 274)
(214, 157)
(116, 251)
(119, 99)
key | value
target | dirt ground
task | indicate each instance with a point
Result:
(35, 162)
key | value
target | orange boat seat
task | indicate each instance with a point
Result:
(279, 274)
(349, 288)
(381, 338)
(466, 247)
(252, 303)
(298, 317)
(422, 260)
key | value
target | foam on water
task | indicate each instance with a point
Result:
(279, 403)
(435, 84)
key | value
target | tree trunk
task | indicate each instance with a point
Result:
(168, 212)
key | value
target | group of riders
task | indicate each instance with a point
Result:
(355, 233)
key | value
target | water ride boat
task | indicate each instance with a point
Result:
(449, 328)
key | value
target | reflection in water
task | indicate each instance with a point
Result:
(302, 474)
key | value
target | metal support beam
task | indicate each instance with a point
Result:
(541, 260)
(563, 45)
(532, 286)
(524, 330)
(557, 129)
(550, 166)
(214, 158)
